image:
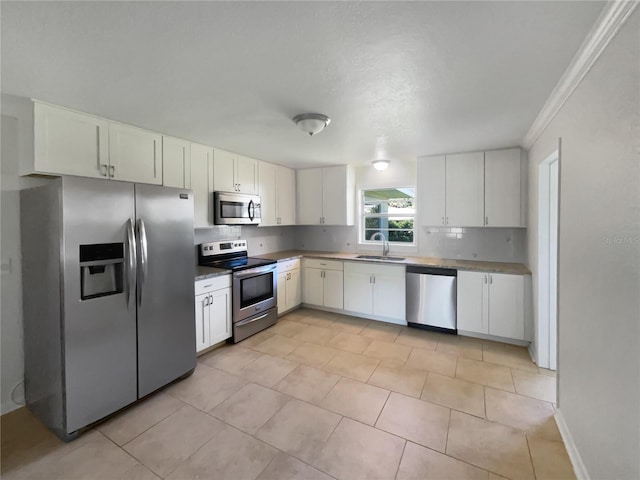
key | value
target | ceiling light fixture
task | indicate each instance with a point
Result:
(311, 123)
(381, 164)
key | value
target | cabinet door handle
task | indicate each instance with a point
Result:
(112, 169)
(485, 278)
(374, 279)
(491, 279)
(207, 301)
(98, 144)
(443, 220)
(103, 172)
(486, 220)
(154, 159)
(370, 281)
(447, 220)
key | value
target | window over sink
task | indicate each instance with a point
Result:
(389, 211)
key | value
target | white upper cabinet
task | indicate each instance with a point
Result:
(479, 189)
(465, 190)
(268, 194)
(276, 187)
(234, 173)
(202, 184)
(176, 162)
(502, 174)
(286, 195)
(135, 155)
(431, 187)
(309, 196)
(70, 143)
(326, 196)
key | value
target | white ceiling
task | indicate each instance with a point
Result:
(398, 79)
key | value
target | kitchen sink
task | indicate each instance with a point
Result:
(380, 257)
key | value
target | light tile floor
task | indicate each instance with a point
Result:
(321, 396)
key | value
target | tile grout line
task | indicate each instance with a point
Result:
(404, 447)
(533, 469)
(446, 441)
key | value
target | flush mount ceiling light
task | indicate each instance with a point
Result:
(311, 123)
(381, 164)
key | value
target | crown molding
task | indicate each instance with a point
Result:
(611, 19)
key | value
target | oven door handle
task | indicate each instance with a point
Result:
(251, 320)
(251, 210)
(252, 272)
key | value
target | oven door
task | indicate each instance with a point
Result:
(236, 209)
(254, 291)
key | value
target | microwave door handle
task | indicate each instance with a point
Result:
(251, 210)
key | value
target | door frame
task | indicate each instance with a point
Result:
(547, 334)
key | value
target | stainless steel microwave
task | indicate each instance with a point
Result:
(236, 209)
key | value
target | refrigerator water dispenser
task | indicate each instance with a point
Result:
(101, 270)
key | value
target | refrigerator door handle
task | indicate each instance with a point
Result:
(130, 245)
(143, 259)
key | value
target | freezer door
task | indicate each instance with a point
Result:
(99, 330)
(165, 293)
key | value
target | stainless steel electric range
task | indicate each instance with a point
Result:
(254, 285)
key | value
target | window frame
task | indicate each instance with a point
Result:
(362, 242)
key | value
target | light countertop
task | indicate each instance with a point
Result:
(470, 265)
(204, 273)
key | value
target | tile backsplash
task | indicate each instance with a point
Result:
(488, 244)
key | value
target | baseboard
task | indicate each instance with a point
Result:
(574, 455)
(9, 406)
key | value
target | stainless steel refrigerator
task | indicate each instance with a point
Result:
(108, 296)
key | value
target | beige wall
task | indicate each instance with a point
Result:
(599, 257)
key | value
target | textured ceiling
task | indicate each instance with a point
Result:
(398, 79)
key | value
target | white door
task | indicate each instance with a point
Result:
(312, 286)
(506, 305)
(201, 181)
(286, 193)
(547, 326)
(247, 174)
(553, 264)
(282, 292)
(293, 289)
(176, 163)
(202, 321)
(502, 188)
(135, 155)
(473, 302)
(465, 189)
(268, 195)
(333, 289)
(220, 316)
(334, 195)
(70, 143)
(223, 171)
(431, 190)
(309, 194)
(389, 298)
(358, 291)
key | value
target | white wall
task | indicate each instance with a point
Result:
(489, 244)
(12, 358)
(599, 257)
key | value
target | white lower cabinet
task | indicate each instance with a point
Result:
(213, 311)
(288, 285)
(491, 304)
(375, 290)
(322, 283)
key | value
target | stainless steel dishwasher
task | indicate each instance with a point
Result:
(431, 298)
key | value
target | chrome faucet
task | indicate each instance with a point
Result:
(385, 243)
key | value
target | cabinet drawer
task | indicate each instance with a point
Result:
(323, 264)
(288, 265)
(211, 284)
